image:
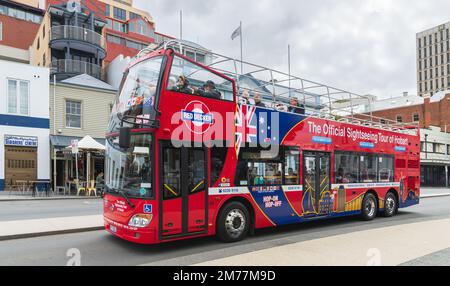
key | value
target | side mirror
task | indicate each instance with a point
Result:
(125, 137)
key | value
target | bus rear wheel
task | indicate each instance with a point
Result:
(390, 205)
(233, 222)
(369, 207)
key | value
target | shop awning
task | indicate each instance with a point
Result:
(61, 142)
(89, 143)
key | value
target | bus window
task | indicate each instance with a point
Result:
(189, 78)
(196, 171)
(171, 173)
(368, 168)
(264, 173)
(137, 93)
(130, 169)
(218, 157)
(292, 166)
(385, 169)
(346, 168)
(254, 170)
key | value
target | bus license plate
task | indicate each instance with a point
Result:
(113, 228)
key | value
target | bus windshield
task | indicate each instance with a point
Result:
(137, 94)
(129, 170)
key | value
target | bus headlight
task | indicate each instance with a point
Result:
(140, 220)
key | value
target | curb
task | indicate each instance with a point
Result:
(48, 233)
(48, 199)
(434, 196)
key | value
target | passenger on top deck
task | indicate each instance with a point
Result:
(208, 90)
(183, 85)
(257, 99)
(171, 83)
(244, 97)
(295, 107)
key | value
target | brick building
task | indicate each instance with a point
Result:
(427, 111)
(433, 116)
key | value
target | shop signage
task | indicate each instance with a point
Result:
(74, 145)
(21, 141)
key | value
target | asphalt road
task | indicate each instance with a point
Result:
(21, 210)
(101, 248)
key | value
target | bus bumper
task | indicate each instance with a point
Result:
(132, 234)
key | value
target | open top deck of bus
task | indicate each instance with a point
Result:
(276, 87)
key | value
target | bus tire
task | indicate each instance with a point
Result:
(369, 207)
(390, 205)
(233, 222)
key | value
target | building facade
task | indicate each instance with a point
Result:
(24, 124)
(70, 41)
(433, 60)
(128, 29)
(19, 23)
(79, 106)
(434, 157)
(432, 115)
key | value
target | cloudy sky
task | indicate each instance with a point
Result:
(364, 46)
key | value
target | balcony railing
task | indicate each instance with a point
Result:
(77, 67)
(77, 33)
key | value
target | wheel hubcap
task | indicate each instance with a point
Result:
(235, 223)
(390, 205)
(370, 207)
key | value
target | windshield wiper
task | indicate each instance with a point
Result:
(124, 195)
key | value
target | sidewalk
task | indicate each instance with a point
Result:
(7, 197)
(49, 226)
(387, 246)
(426, 192)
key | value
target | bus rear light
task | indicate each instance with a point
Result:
(140, 220)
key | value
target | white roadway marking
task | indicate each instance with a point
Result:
(392, 245)
(30, 226)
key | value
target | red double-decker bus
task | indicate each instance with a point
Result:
(197, 147)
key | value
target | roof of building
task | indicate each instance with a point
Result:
(439, 96)
(395, 102)
(88, 81)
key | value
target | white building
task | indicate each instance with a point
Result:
(24, 124)
(433, 60)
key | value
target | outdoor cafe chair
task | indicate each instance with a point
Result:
(91, 188)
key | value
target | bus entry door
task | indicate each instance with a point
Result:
(183, 190)
(317, 198)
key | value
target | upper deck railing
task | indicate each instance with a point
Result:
(276, 87)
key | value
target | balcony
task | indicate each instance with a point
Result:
(78, 38)
(73, 68)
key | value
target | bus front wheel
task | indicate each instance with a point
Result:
(369, 207)
(233, 222)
